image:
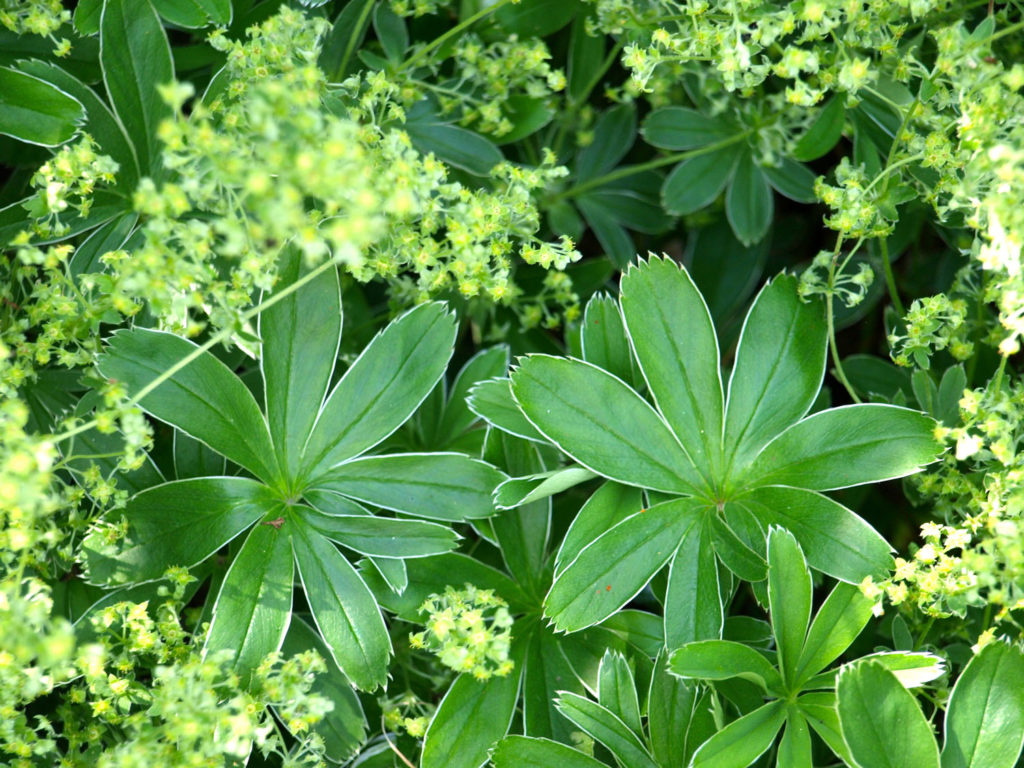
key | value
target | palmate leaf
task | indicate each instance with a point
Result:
(754, 461)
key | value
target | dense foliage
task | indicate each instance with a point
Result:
(518, 382)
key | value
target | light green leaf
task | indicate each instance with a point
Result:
(834, 540)
(676, 128)
(882, 723)
(749, 203)
(517, 491)
(254, 605)
(605, 727)
(300, 337)
(984, 723)
(734, 552)
(846, 446)
(674, 340)
(610, 571)
(602, 423)
(609, 505)
(696, 182)
(789, 598)
(910, 668)
(36, 112)
(344, 610)
(722, 660)
(693, 602)
(546, 671)
(384, 537)
(136, 58)
(383, 387)
(524, 752)
(470, 718)
(839, 620)
(603, 337)
(742, 741)
(780, 362)
(795, 746)
(492, 401)
(204, 399)
(175, 524)
(616, 690)
(438, 486)
(195, 14)
(819, 709)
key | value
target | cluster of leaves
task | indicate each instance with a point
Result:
(251, 513)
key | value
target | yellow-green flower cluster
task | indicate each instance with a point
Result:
(469, 630)
(932, 324)
(408, 713)
(826, 275)
(36, 17)
(65, 184)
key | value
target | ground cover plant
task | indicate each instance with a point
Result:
(566, 383)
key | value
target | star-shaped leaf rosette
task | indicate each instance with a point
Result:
(306, 468)
(717, 466)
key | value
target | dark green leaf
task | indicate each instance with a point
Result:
(602, 423)
(109, 237)
(824, 132)
(791, 179)
(456, 146)
(343, 608)
(523, 752)
(610, 504)
(383, 387)
(612, 236)
(546, 672)
(254, 605)
(343, 729)
(87, 16)
(749, 204)
(195, 14)
(35, 111)
(671, 707)
(675, 344)
(984, 723)
(176, 524)
(586, 58)
(391, 31)
(337, 55)
(678, 128)
(882, 723)
(697, 181)
(610, 571)
(300, 336)
(537, 18)
(614, 134)
(484, 365)
(204, 399)
(136, 59)
(631, 201)
(438, 486)
(734, 552)
(195, 459)
(527, 115)
(851, 445)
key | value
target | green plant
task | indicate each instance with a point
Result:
(304, 472)
(718, 472)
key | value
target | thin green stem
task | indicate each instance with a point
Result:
(924, 633)
(830, 319)
(632, 170)
(890, 278)
(458, 29)
(213, 341)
